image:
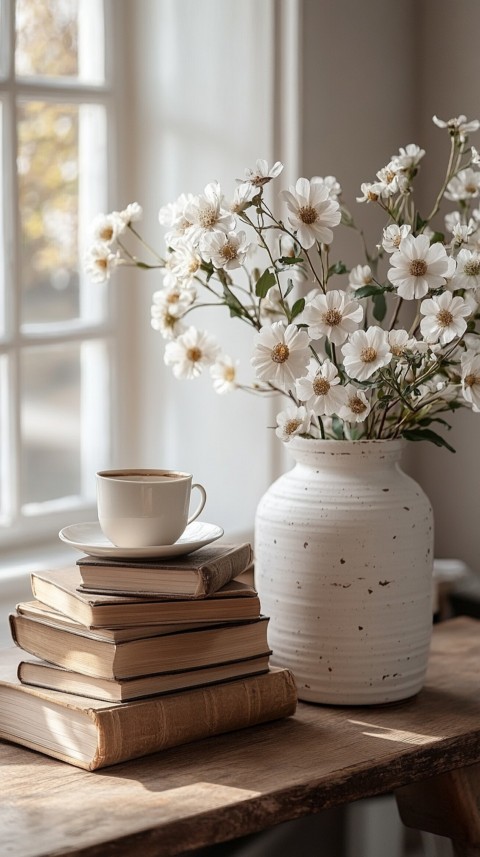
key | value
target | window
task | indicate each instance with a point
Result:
(56, 336)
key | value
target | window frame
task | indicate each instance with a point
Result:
(21, 529)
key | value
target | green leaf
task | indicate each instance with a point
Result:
(328, 348)
(337, 427)
(418, 434)
(337, 268)
(419, 223)
(297, 308)
(437, 238)
(265, 283)
(379, 307)
(235, 306)
(290, 260)
(369, 291)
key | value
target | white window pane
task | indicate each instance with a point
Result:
(55, 179)
(4, 38)
(60, 38)
(51, 423)
(3, 255)
(5, 444)
(64, 422)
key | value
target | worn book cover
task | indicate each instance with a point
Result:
(195, 575)
(42, 674)
(86, 653)
(58, 588)
(92, 734)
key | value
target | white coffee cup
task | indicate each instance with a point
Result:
(138, 508)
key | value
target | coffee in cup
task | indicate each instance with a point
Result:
(140, 508)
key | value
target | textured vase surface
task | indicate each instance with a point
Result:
(343, 566)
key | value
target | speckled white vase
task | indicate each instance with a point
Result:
(343, 566)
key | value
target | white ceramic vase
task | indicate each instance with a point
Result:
(343, 566)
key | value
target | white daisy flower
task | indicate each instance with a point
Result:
(224, 250)
(281, 355)
(332, 315)
(357, 407)
(458, 125)
(190, 353)
(312, 212)
(465, 185)
(409, 157)
(321, 390)
(131, 213)
(292, 421)
(331, 183)
(462, 232)
(184, 262)
(100, 261)
(242, 198)
(107, 227)
(365, 352)
(168, 324)
(172, 215)
(399, 342)
(224, 374)
(467, 274)
(390, 180)
(360, 276)
(452, 219)
(262, 174)
(418, 266)
(176, 298)
(472, 343)
(444, 318)
(474, 156)
(471, 379)
(206, 213)
(370, 192)
(393, 235)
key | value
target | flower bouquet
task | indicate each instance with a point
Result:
(384, 350)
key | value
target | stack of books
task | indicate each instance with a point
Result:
(133, 657)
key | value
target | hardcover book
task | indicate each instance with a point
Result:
(184, 650)
(59, 589)
(42, 674)
(92, 734)
(196, 575)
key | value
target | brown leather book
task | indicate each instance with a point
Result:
(92, 734)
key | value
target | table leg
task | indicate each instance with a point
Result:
(448, 805)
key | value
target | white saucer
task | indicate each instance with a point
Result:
(88, 538)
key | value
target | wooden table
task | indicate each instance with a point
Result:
(424, 749)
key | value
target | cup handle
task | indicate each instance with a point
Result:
(203, 500)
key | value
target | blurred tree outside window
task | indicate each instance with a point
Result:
(54, 330)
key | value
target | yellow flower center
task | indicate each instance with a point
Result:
(372, 196)
(368, 354)
(229, 373)
(444, 317)
(471, 188)
(194, 354)
(308, 214)
(106, 234)
(418, 267)
(332, 317)
(291, 426)
(472, 268)
(471, 379)
(280, 353)
(321, 386)
(208, 217)
(101, 263)
(173, 298)
(228, 252)
(356, 405)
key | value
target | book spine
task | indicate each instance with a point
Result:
(137, 729)
(213, 575)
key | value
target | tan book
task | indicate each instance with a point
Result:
(185, 650)
(42, 674)
(59, 589)
(92, 734)
(37, 610)
(193, 576)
